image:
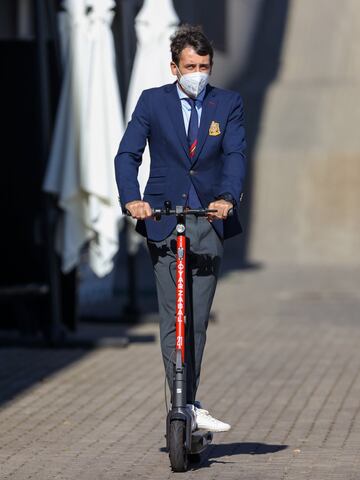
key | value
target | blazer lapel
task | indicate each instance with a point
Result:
(173, 105)
(207, 115)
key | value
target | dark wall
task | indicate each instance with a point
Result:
(20, 196)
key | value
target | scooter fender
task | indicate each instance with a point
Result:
(179, 413)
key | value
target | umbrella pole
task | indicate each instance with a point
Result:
(55, 328)
(131, 311)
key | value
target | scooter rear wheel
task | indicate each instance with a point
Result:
(177, 449)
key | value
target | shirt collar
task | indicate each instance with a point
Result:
(182, 94)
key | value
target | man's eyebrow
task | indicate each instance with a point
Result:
(194, 64)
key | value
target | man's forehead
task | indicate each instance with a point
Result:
(189, 55)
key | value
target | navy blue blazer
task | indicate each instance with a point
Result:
(218, 165)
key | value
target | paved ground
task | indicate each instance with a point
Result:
(282, 365)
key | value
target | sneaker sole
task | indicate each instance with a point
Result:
(213, 429)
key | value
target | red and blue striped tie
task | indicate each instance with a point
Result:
(193, 198)
(193, 128)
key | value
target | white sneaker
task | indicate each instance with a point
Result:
(192, 411)
(205, 421)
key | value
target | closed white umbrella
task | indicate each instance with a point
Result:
(154, 24)
(87, 131)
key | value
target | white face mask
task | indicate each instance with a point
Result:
(193, 83)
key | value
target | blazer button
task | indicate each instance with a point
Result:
(192, 172)
(184, 195)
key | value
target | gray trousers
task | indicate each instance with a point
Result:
(203, 264)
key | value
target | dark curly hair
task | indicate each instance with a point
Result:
(190, 36)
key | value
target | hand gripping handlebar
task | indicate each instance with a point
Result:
(181, 210)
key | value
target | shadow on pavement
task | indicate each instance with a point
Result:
(231, 449)
(237, 448)
(22, 368)
(24, 363)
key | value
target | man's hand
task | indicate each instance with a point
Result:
(139, 209)
(222, 207)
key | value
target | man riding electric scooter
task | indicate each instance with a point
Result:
(197, 141)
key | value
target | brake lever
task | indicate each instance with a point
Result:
(230, 212)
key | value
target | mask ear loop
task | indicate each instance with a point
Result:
(177, 68)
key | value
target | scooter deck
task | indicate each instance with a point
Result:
(200, 439)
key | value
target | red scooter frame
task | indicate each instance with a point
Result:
(180, 293)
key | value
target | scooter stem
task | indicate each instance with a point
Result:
(179, 388)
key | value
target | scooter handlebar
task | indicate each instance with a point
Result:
(199, 212)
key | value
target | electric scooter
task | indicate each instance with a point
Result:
(183, 444)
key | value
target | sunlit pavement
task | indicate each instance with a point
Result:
(282, 365)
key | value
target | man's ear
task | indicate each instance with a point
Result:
(173, 68)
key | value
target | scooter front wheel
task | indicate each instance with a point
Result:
(177, 448)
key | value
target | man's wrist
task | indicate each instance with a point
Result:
(132, 202)
(227, 197)
(125, 206)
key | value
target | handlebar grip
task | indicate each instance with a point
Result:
(155, 212)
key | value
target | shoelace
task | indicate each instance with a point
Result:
(201, 410)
